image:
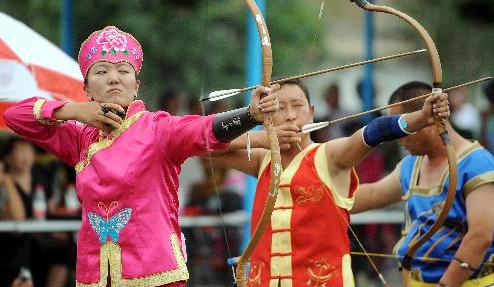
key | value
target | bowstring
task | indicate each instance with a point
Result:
(342, 218)
(204, 41)
(313, 44)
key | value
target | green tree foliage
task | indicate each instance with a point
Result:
(195, 45)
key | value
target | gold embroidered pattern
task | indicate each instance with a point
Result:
(429, 215)
(106, 142)
(255, 273)
(312, 193)
(320, 272)
(110, 253)
(37, 114)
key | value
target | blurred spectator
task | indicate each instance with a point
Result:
(372, 167)
(321, 135)
(194, 107)
(217, 107)
(206, 246)
(193, 167)
(11, 206)
(464, 116)
(487, 131)
(334, 111)
(359, 88)
(169, 101)
(377, 237)
(46, 255)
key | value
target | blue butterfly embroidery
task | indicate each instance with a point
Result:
(111, 227)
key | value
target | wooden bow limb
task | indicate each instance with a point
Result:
(276, 167)
(319, 125)
(222, 94)
(437, 77)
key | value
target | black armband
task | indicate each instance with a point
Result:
(229, 125)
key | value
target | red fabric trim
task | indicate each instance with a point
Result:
(62, 87)
(279, 254)
(6, 52)
(281, 230)
(281, 277)
(283, 207)
(3, 107)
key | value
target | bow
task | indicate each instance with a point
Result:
(276, 167)
(406, 264)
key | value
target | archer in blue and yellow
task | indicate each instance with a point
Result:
(461, 253)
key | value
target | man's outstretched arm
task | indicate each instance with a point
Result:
(377, 194)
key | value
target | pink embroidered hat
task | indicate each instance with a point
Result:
(110, 45)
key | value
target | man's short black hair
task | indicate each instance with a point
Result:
(300, 84)
(408, 91)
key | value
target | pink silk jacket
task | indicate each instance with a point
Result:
(127, 183)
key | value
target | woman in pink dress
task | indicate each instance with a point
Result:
(127, 162)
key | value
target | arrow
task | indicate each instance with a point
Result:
(316, 126)
(218, 95)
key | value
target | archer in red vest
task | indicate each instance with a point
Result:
(306, 243)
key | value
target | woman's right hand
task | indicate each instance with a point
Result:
(92, 113)
(288, 135)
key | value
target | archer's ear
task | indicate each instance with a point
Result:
(138, 84)
(311, 108)
(86, 90)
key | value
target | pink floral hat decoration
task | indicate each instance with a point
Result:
(110, 45)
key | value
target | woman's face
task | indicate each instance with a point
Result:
(22, 158)
(112, 83)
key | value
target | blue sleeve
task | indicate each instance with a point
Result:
(475, 170)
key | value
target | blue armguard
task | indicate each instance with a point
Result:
(383, 129)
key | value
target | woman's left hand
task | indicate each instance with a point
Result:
(262, 107)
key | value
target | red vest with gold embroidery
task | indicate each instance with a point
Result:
(306, 243)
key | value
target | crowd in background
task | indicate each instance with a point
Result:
(34, 185)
